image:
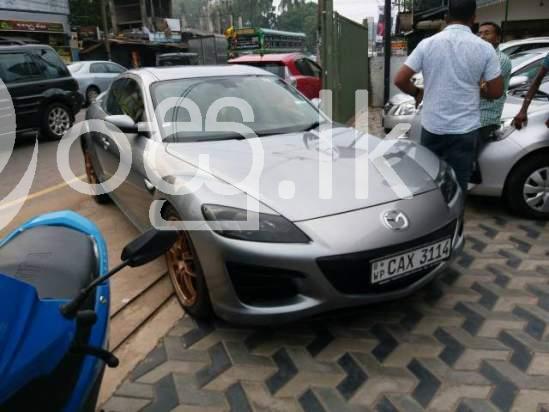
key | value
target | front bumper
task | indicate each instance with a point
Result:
(299, 267)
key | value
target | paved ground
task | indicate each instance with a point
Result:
(475, 340)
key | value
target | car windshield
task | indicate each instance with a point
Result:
(277, 108)
(519, 58)
(75, 67)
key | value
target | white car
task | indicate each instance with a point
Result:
(94, 77)
(401, 107)
(516, 165)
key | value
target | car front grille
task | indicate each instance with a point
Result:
(350, 273)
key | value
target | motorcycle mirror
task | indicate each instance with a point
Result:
(147, 247)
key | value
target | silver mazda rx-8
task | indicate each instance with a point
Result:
(341, 218)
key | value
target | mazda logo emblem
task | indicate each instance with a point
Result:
(395, 220)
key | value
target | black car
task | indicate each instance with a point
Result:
(44, 94)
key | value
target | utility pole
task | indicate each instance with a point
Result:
(326, 16)
(106, 29)
(387, 51)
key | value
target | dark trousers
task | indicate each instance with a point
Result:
(458, 150)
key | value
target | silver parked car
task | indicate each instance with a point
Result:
(516, 166)
(94, 77)
(401, 107)
(311, 254)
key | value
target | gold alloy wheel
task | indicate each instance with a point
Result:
(90, 172)
(182, 268)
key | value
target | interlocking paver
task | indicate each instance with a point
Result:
(475, 340)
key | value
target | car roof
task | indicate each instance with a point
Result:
(275, 57)
(185, 72)
(512, 43)
(93, 61)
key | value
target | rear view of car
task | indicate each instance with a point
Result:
(94, 77)
(297, 69)
(44, 94)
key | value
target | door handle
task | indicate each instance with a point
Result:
(150, 187)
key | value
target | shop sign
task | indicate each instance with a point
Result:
(30, 26)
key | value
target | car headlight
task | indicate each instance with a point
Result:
(406, 109)
(272, 228)
(447, 182)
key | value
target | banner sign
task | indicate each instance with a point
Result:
(32, 26)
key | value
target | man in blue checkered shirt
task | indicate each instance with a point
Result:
(521, 119)
(492, 109)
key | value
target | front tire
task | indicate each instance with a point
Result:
(527, 189)
(186, 273)
(57, 119)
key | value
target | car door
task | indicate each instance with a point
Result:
(308, 80)
(101, 76)
(24, 80)
(135, 193)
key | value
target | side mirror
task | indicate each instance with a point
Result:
(147, 247)
(316, 102)
(517, 81)
(123, 122)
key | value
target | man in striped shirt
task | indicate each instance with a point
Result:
(491, 109)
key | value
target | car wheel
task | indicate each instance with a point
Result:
(527, 191)
(186, 274)
(91, 94)
(56, 121)
(93, 180)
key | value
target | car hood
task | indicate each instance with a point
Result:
(513, 105)
(400, 98)
(289, 181)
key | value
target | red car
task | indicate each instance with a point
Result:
(295, 68)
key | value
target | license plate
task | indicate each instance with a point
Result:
(407, 263)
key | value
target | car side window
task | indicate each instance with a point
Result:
(315, 68)
(125, 97)
(131, 101)
(98, 68)
(18, 67)
(114, 68)
(51, 64)
(112, 105)
(303, 67)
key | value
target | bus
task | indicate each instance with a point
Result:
(263, 41)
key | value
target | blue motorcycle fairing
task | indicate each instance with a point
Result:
(34, 337)
(91, 367)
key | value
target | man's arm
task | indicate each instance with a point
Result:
(521, 119)
(493, 89)
(403, 80)
(412, 65)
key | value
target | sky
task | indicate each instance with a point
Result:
(353, 9)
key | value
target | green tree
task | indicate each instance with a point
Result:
(191, 9)
(85, 12)
(301, 17)
(254, 13)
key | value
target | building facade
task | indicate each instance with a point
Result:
(42, 21)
